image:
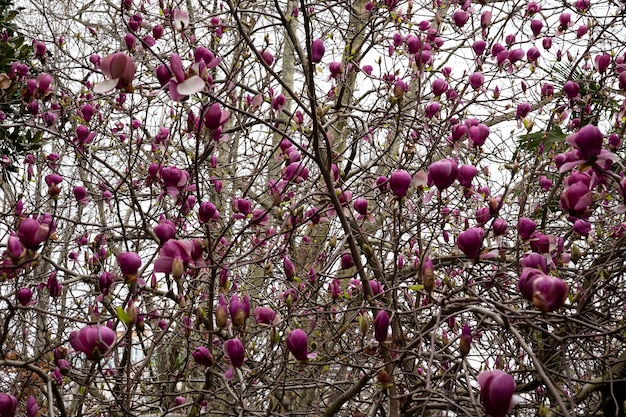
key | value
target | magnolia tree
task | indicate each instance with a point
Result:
(314, 208)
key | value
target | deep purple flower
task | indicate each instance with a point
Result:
(24, 296)
(336, 69)
(526, 227)
(203, 356)
(235, 352)
(94, 341)
(470, 241)
(483, 215)
(376, 287)
(540, 242)
(460, 17)
(120, 69)
(582, 227)
(215, 117)
(165, 231)
(500, 227)
(479, 47)
(317, 50)
(439, 87)
(545, 183)
(129, 263)
(602, 62)
(588, 141)
(485, 19)
(536, 26)
(80, 193)
(289, 267)
(576, 199)
(571, 89)
(297, 341)
(399, 183)
(381, 326)
(8, 405)
(267, 57)
(565, 19)
(207, 212)
(478, 134)
(432, 109)
(32, 233)
(549, 293)
(534, 260)
(15, 249)
(466, 174)
(32, 408)
(465, 341)
(476, 80)
(174, 257)
(360, 205)
(443, 173)
(237, 311)
(496, 392)
(265, 316)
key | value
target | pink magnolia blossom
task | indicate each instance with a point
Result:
(297, 341)
(8, 405)
(120, 69)
(176, 256)
(317, 50)
(399, 183)
(235, 352)
(443, 173)
(265, 316)
(526, 227)
(496, 392)
(470, 242)
(94, 341)
(381, 326)
(203, 356)
(129, 263)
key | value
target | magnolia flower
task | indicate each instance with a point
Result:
(297, 341)
(265, 316)
(466, 174)
(237, 311)
(203, 356)
(180, 20)
(476, 80)
(235, 352)
(443, 173)
(120, 69)
(175, 257)
(32, 233)
(8, 405)
(94, 341)
(317, 50)
(526, 227)
(496, 392)
(470, 241)
(381, 326)
(546, 292)
(24, 296)
(399, 183)
(32, 408)
(129, 263)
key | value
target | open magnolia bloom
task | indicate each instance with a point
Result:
(497, 389)
(120, 69)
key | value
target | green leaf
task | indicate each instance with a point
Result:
(416, 287)
(533, 140)
(123, 316)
